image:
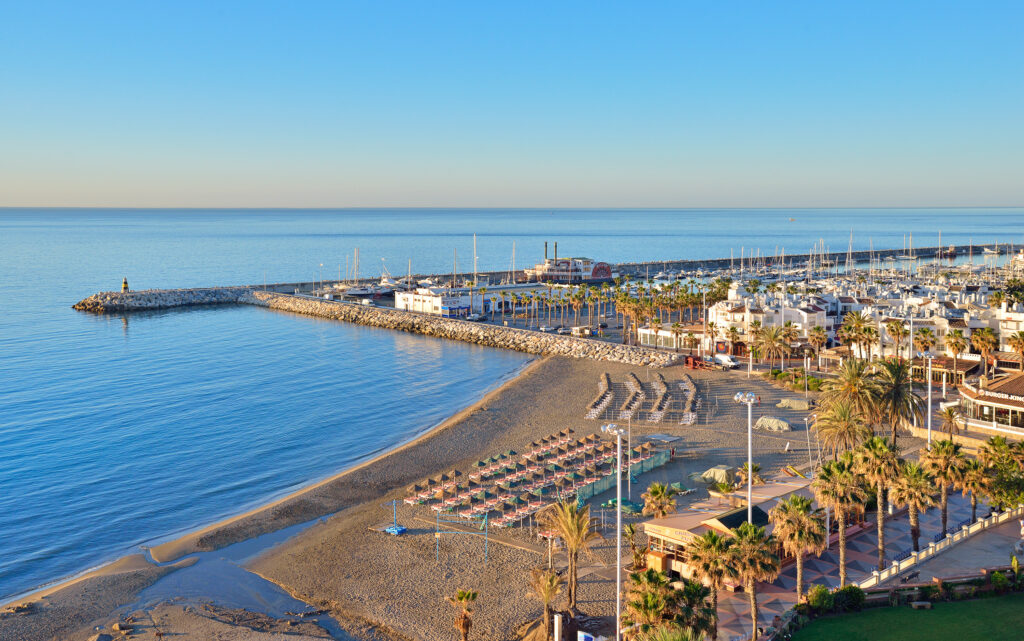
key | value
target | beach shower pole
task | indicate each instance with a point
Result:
(611, 428)
(928, 356)
(748, 399)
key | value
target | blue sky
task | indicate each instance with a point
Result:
(536, 104)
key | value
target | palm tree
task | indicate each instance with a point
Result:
(629, 531)
(741, 475)
(733, 335)
(817, 337)
(693, 607)
(677, 331)
(840, 428)
(545, 586)
(709, 558)
(897, 402)
(1016, 343)
(464, 618)
(945, 464)
(645, 611)
(659, 500)
(577, 531)
(913, 489)
(951, 420)
(754, 560)
(854, 386)
(956, 343)
(898, 331)
(771, 342)
(985, 341)
(996, 299)
(975, 480)
(800, 530)
(838, 488)
(878, 462)
(924, 339)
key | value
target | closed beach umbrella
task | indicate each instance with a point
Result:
(511, 454)
(415, 488)
(455, 474)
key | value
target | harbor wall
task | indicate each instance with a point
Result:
(521, 340)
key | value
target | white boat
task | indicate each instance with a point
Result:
(990, 252)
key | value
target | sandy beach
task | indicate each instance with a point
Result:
(375, 584)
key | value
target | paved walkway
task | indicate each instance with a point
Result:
(989, 548)
(861, 559)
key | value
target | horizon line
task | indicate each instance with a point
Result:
(496, 208)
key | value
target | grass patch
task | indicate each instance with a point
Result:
(990, 619)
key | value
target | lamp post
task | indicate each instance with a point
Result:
(321, 276)
(629, 458)
(807, 431)
(612, 428)
(748, 399)
(928, 357)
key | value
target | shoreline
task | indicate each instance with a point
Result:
(168, 553)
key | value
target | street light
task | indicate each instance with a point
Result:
(928, 357)
(612, 428)
(807, 431)
(749, 398)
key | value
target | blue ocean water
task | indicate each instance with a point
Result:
(115, 431)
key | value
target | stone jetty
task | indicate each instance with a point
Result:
(520, 340)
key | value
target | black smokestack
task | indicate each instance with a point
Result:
(556, 250)
(545, 250)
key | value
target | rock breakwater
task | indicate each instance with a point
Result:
(520, 340)
(111, 302)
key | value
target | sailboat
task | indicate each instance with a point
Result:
(908, 255)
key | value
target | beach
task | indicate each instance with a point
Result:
(357, 574)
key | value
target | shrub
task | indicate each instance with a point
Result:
(820, 599)
(928, 593)
(849, 598)
(814, 384)
(999, 582)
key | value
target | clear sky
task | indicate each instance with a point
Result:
(537, 104)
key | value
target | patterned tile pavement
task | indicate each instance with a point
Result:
(861, 559)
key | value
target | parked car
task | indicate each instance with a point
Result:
(603, 325)
(476, 318)
(564, 330)
(726, 361)
(545, 328)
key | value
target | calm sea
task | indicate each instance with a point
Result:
(120, 431)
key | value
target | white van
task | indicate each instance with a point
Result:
(726, 361)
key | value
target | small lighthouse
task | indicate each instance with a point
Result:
(124, 285)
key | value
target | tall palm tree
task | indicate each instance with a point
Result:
(577, 531)
(897, 403)
(771, 342)
(801, 530)
(677, 331)
(840, 428)
(956, 343)
(898, 331)
(545, 586)
(464, 618)
(975, 480)
(985, 341)
(855, 386)
(709, 558)
(838, 488)
(817, 337)
(1016, 343)
(659, 500)
(996, 299)
(878, 462)
(913, 488)
(924, 339)
(645, 611)
(693, 607)
(857, 322)
(733, 334)
(945, 463)
(951, 420)
(754, 560)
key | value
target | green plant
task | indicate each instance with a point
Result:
(928, 593)
(849, 598)
(820, 599)
(999, 582)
